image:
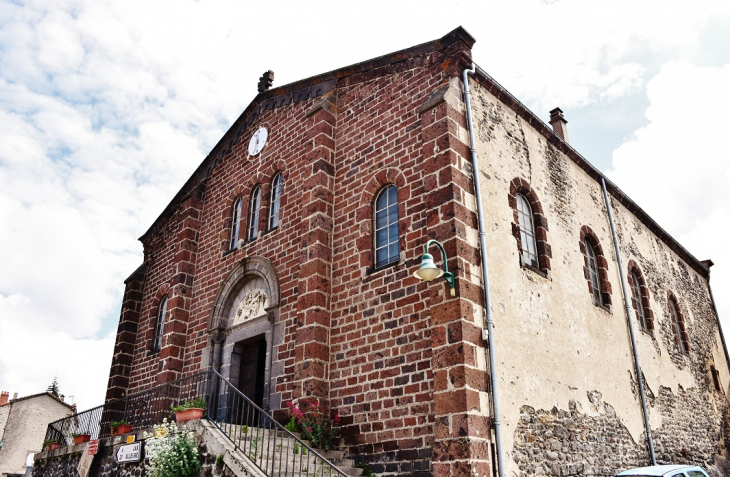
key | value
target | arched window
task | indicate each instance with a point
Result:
(253, 214)
(387, 247)
(595, 268)
(529, 226)
(680, 333)
(640, 298)
(593, 272)
(159, 324)
(275, 202)
(236, 225)
(527, 231)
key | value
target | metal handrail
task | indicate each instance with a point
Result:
(268, 434)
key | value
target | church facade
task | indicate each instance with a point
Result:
(286, 264)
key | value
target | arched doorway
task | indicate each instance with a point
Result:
(244, 330)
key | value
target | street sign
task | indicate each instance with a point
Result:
(129, 453)
(94, 447)
(130, 438)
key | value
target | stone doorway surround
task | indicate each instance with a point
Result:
(245, 308)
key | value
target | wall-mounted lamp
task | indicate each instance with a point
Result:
(429, 271)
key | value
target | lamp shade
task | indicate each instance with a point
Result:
(427, 271)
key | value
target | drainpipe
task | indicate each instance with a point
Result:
(627, 306)
(487, 304)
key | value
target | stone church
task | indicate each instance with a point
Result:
(286, 263)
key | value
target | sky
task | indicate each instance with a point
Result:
(107, 107)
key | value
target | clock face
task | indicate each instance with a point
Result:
(257, 141)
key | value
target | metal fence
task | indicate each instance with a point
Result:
(141, 410)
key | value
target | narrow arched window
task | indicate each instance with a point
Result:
(159, 324)
(638, 302)
(253, 214)
(275, 202)
(387, 247)
(593, 272)
(236, 225)
(527, 231)
(680, 333)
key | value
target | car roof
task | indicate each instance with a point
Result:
(656, 470)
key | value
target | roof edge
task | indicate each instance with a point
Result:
(201, 172)
(511, 101)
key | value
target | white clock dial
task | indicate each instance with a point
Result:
(257, 141)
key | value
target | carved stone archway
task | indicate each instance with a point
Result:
(246, 309)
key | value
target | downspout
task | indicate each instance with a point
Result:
(487, 304)
(627, 306)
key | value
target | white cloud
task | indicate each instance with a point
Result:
(678, 167)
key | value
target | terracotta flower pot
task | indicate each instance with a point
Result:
(123, 429)
(81, 438)
(189, 414)
(53, 446)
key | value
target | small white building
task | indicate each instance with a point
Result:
(23, 423)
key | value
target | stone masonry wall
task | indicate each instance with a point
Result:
(556, 348)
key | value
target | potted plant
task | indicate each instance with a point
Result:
(192, 409)
(120, 427)
(80, 438)
(51, 444)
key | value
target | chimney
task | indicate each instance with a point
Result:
(558, 122)
(15, 396)
(4, 398)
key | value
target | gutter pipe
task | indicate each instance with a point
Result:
(487, 303)
(627, 306)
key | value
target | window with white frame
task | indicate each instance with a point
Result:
(593, 271)
(527, 231)
(236, 225)
(387, 235)
(253, 214)
(275, 202)
(159, 324)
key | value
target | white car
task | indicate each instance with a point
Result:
(665, 471)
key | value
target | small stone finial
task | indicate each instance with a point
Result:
(266, 80)
(559, 123)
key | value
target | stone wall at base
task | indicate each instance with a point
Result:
(64, 462)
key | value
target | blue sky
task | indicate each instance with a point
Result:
(107, 107)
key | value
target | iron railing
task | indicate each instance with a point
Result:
(253, 432)
(266, 443)
(141, 410)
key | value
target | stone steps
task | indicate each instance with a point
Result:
(275, 449)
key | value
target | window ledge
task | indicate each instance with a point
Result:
(228, 252)
(543, 273)
(606, 308)
(370, 271)
(648, 333)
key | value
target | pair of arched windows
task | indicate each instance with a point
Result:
(254, 209)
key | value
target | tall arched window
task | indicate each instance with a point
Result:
(529, 226)
(159, 324)
(595, 268)
(387, 247)
(640, 298)
(593, 272)
(527, 231)
(680, 333)
(253, 214)
(236, 225)
(275, 202)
